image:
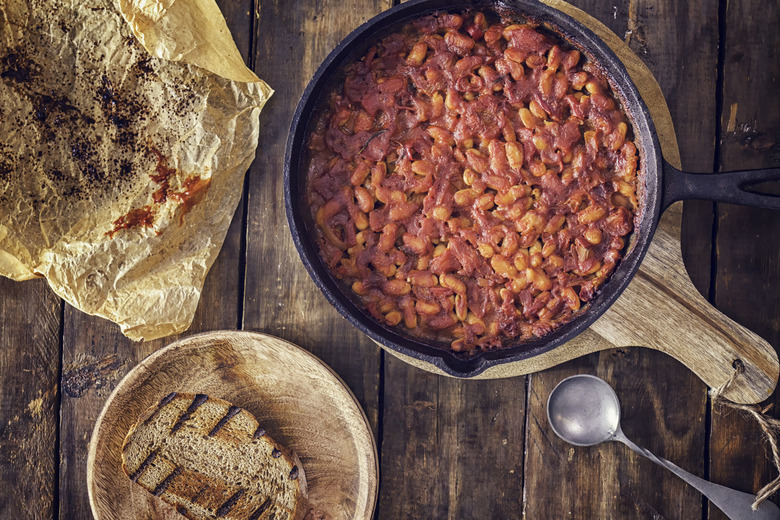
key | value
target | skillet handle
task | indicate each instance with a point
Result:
(721, 187)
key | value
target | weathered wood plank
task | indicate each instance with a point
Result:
(29, 369)
(747, 282)
(291, 39)
(663, 403)
(451, 448)
(96, 355)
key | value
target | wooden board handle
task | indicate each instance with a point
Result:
(661, 309)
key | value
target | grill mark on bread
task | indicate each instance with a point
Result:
(162, 486)
(199, 400)
(229, 503)
(145, 464)
(199, 494)
(232, 411)
(191, 486)
(164, 401)
(260, 510)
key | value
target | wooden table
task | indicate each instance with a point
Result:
(448, 448)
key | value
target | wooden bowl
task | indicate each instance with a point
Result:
(298, 399)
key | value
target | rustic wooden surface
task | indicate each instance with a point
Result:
(448, 449)
(747, 266)
(292, 394)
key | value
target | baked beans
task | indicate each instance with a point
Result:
(472, 180)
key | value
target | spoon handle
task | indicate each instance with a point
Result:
(736, 504)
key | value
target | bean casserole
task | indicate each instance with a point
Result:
(472, 180)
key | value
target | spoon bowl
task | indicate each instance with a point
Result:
(584, 410)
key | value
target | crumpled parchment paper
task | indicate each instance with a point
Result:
(126, 127)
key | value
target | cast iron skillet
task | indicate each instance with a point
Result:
(663, 184)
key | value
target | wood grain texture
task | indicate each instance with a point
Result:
(291, 39)
(656, 392)
(665, 312)
(29, 367)
(747, 281)
(450, 448)
(297, 399)
(96, 355)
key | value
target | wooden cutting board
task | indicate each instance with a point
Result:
(298, 399)
(661, 309)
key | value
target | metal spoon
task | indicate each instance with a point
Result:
(584, 410)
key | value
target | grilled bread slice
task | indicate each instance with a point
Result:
(210, 459)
